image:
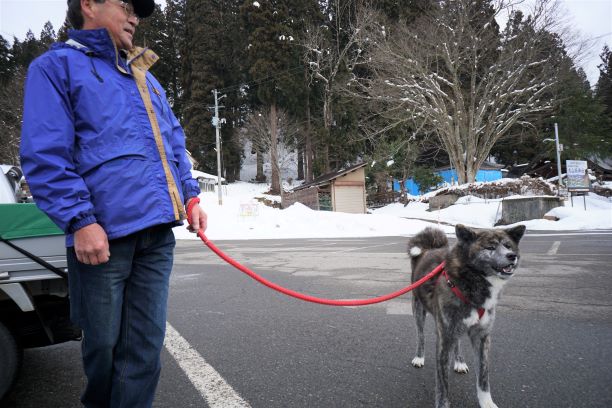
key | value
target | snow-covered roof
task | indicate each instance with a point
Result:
(200, 175)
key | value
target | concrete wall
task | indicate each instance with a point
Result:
(530, 208)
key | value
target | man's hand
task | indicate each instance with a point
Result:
(199, 219)
(91, 245)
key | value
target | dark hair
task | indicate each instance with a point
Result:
(75, 17)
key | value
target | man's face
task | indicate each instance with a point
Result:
(116, 16)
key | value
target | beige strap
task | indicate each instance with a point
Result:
(143, 60)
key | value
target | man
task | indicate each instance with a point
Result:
(105, 158)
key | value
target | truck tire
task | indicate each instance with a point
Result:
(10, 360)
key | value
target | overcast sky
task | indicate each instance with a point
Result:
(591, 18)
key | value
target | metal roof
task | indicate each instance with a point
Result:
(327, 178)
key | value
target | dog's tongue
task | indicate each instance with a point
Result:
(507, 269)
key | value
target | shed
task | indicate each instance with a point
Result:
(342, 191)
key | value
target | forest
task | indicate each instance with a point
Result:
(406, 85)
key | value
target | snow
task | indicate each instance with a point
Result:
(241, 216)
(204, 176)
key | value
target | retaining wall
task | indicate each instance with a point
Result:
(529, 208)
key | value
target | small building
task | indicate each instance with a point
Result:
(342, 191)
(487, 172)
(207, 182)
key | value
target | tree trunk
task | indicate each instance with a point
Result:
(300, 162)
(403, 193)
(327, 122)
(260, 177)
(275, 177)
(308, 155)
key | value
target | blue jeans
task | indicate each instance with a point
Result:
(121, 307)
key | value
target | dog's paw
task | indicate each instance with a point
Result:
(418, 362)
(485, 400)
(461, 368)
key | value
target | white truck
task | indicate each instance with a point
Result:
(34, 307)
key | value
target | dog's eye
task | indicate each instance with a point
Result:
(490, 248)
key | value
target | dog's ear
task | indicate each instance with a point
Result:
(516, 233)
(464, 233)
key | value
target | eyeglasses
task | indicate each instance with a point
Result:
(128, 8)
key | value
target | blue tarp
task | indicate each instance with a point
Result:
(449, 176)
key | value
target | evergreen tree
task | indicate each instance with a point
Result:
(211, 60)
(330, 54)
(153, 32)
(175, 31)
(47, 36)
(275, 62)
(309, 18)
(579, 113)
(604, 83)
(24, 52)
(6, 61)
(584, 123)
(62, 34)
(196, 112)
(13, 66)
(11, 108)
(403, 10)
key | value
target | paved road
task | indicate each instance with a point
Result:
(552, 345)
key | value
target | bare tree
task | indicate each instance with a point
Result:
(455, 75)
(11, 113)
(269, 130)
(330, 51)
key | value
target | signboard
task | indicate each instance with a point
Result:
(577, 175)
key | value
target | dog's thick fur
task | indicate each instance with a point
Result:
(479, 265)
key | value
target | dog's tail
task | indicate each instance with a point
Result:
(429, 238)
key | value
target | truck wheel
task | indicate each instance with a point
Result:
(10, 360)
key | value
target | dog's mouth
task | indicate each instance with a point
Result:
(506, 271)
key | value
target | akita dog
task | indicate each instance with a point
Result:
(462, 298)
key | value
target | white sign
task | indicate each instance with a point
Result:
(577, 175)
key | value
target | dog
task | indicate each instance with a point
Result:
(462, 298)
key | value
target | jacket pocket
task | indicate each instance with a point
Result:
(120, 187)
(103, 149)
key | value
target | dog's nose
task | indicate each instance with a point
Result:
(511, 257)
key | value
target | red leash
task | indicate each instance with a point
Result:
(301, 296)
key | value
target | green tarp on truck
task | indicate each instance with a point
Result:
(25, 221)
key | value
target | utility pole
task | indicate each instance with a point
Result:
(558, 148)
(217, 124)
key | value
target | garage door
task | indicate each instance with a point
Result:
(350, 199)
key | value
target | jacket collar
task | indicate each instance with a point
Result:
(98, 43)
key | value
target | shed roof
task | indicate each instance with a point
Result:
(327, 178)
(604, 163)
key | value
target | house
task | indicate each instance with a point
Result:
(342, 191)
(487, 172)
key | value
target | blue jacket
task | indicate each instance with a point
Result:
(99, 141)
